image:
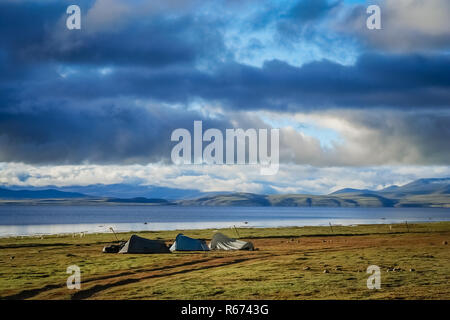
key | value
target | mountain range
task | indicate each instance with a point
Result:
(434, 192)
(119, 190)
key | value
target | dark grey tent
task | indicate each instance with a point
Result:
(183, 243)
(222, 242)
(141, 245)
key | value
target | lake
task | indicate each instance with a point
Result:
(31, 220)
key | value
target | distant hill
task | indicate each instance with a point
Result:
(124, 191)
(420, 187)
(233, 199)
(289, 200)
(417, 187)
(433, 192)
(38, 194)
(419, 193)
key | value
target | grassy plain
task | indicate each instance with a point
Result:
(290, 263)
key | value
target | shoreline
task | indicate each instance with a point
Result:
(38, 221)
(336, 227)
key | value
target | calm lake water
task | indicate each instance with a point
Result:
(30, 220)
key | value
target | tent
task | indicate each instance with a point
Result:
(222, 242)
(183, 243)
(141, 245)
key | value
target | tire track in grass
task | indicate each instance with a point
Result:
(30, 293)
(87, 293)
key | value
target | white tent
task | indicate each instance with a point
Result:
(222, 242)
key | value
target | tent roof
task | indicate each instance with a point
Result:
(184, 243)
(222, 242)
(138, 244)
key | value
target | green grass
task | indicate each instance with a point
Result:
(289, 264)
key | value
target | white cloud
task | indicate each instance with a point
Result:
(290, 178)
(407, 25)
(363, 137)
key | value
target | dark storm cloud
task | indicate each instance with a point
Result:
(70, 97)
(406, 137)
(389, 81)
(118, 132)
(106, 133)
(309, 10)
(159, 59)
(407, 81)
(36, 33)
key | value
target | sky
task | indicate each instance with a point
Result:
(355, 107)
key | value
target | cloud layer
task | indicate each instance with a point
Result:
(111, 93)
